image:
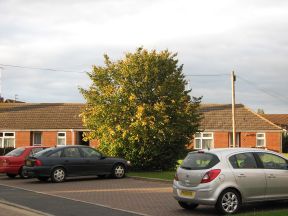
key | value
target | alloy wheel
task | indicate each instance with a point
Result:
(229, 202)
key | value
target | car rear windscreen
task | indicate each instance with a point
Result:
(16, 152)
(199, 161)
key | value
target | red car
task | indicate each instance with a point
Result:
(12, 163)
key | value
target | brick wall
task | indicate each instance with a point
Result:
(248, 140)
(49, 138)
(22, 138)
(221, 140)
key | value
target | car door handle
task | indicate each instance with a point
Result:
(241, 175)
(271, 176)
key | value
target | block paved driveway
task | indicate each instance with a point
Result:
(140, 196)
(143, 197)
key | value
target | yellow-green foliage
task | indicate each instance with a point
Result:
(139, 109)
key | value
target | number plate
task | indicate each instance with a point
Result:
(28, 163)
(190, 194)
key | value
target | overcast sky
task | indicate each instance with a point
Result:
(210, 37)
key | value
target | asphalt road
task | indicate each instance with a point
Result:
(92, 196)
(55, 205)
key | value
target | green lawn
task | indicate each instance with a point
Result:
(266, 213)
(165, 175)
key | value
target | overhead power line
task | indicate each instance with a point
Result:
(40, 68)
(267, 92)
(205, 75)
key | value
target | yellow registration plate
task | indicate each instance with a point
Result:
(190, 194)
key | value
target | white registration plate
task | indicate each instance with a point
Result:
(28, 163)
(185, 193)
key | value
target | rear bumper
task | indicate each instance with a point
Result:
(37, 171)
(205, 195)
(9, 169)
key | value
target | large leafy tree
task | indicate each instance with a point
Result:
(138, 108)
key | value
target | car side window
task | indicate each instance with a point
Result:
(243, 161)
(271, 161)
(90, 153)
(56, 154)
(71, 152)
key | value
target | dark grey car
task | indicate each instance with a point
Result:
(228, 178)
(61, 162)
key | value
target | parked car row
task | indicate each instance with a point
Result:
(12, 163)
(58, 163)
(225, 178)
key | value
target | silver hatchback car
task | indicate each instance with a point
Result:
(228, 178)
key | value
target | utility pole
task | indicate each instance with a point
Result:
(233, 79)
(1, 97)
(1, 82)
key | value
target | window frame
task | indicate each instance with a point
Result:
(201, 138)
(2, 137)
(257, 154)
(252, 154)
(261, 138)
(37, 144)
(61, 137)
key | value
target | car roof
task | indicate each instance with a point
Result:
(31, 147)
(228, 151)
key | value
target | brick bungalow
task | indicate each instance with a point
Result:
(51, 124)
(252, 130)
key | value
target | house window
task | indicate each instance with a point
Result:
(61, 138)
(203, 140)
(260, 140)
(7, 139)
(37, 138)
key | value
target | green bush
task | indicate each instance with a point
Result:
(139, 108)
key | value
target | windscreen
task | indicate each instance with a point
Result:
(199, 161)
(16, 152)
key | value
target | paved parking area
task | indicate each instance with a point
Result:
(139, 196)
(144, 197)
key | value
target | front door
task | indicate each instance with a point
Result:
(97, 164)
(275, 168)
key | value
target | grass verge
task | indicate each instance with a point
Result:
(266, 213)
(165, 175)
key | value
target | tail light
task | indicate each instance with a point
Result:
(176, 177)
(37, 163)
(210, 175)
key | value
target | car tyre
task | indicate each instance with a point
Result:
(12, 176)
(23, 174)
(229, 202)
(119, 171)
(43, 178)
(189, 206)
(58, 175)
